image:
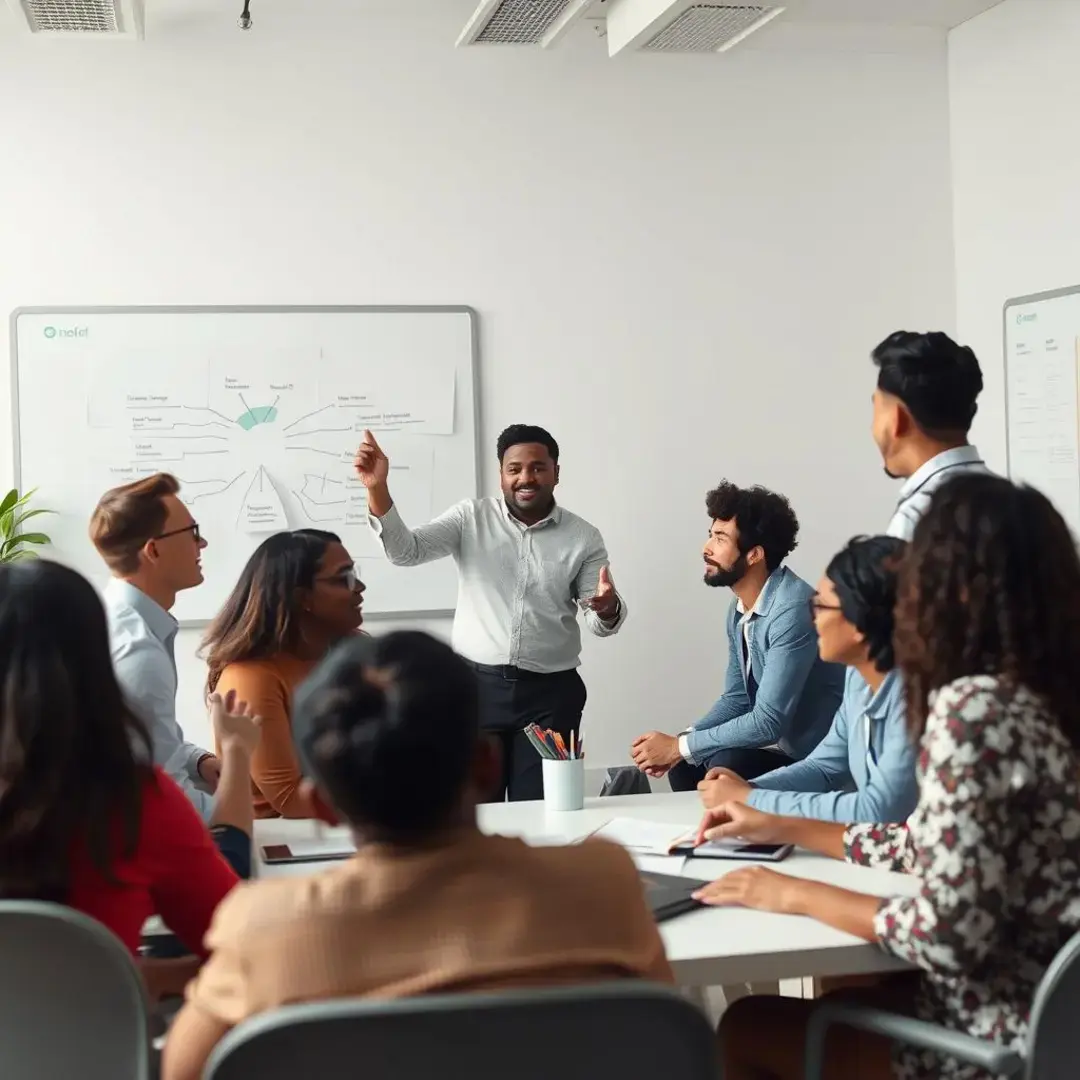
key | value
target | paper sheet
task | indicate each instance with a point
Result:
(640, 837)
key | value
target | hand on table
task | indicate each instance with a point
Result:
(655, 751)
(372, 465)
(753, 887)
(606, 600)
(235, 726)
(721, 786)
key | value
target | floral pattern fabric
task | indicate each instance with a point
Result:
(995, 839)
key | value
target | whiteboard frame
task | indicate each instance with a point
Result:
(263, 309)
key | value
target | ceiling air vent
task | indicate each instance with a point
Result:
(710, 28)
(80, 18)
(683, 26)
(522, 22)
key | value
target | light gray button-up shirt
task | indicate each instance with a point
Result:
(142, 635)
(920, 486)
(519, 587)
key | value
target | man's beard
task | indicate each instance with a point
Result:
(891, 475)
(725, 577)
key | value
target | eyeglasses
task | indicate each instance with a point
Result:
(347, 578)
(815, 605)
(193, 528)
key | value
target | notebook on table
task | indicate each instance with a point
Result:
(669, 896)
(655, 838)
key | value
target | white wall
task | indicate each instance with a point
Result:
(680, 263)
(1013, 87)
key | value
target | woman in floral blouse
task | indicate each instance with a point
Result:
(988, 639)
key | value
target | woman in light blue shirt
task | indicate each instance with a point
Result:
(864, 768)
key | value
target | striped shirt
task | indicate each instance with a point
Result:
(519, 586)
(921, 485)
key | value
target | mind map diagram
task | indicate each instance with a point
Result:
(266, 445)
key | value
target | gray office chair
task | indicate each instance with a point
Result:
(579, 1033)
(71, 1000)
(1053, 1042)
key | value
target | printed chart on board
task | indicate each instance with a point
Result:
(1042, 375)
(261, 433)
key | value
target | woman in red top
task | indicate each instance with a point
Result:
(85, 819)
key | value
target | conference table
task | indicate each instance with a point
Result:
(706, 947)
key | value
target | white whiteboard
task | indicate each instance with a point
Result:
(1042, 367)
(258, 412)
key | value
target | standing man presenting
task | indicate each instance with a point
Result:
(525, 567)
(923, 408)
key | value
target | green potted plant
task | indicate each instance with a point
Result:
(16, 544)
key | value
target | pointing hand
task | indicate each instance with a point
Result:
(372, 465)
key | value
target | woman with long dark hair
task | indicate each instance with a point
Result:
(85, 819)
(297, 596)
(988, 640)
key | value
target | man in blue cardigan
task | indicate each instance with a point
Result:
(779, 696)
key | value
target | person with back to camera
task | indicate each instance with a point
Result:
(298, 595)
(87, 818)
(428, 904)
(526, 566)
(924, 404)
(779, 695)
(988, 642)
(864, 768)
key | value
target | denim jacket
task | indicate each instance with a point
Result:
(795, 694)
(863, 770)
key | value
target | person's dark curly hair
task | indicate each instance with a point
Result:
(763, 518)
(864, 575)
(991, 586)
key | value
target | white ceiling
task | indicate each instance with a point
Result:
(941, 13)
(187, 16)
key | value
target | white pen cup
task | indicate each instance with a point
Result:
(564, 784)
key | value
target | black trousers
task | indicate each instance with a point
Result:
(511, 699)
(748, 762)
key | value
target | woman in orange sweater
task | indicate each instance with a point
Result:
(298, 595)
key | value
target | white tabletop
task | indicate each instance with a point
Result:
(709, 947)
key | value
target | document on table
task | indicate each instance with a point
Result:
(641, 837)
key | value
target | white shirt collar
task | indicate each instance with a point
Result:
(755, 610)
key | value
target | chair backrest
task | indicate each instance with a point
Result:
(1053, 1043)
(580, 1033)
(71, 999)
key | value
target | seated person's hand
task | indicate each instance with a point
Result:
(753, 887)
(655, 751)
(721, 786)
(734, 820)
(235, 726)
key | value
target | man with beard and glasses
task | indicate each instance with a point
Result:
(923, 408)
(779, 696)
(526, 567)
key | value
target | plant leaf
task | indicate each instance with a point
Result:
(28, 515)
(8, 501)
(31, 538)
(7, 524)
